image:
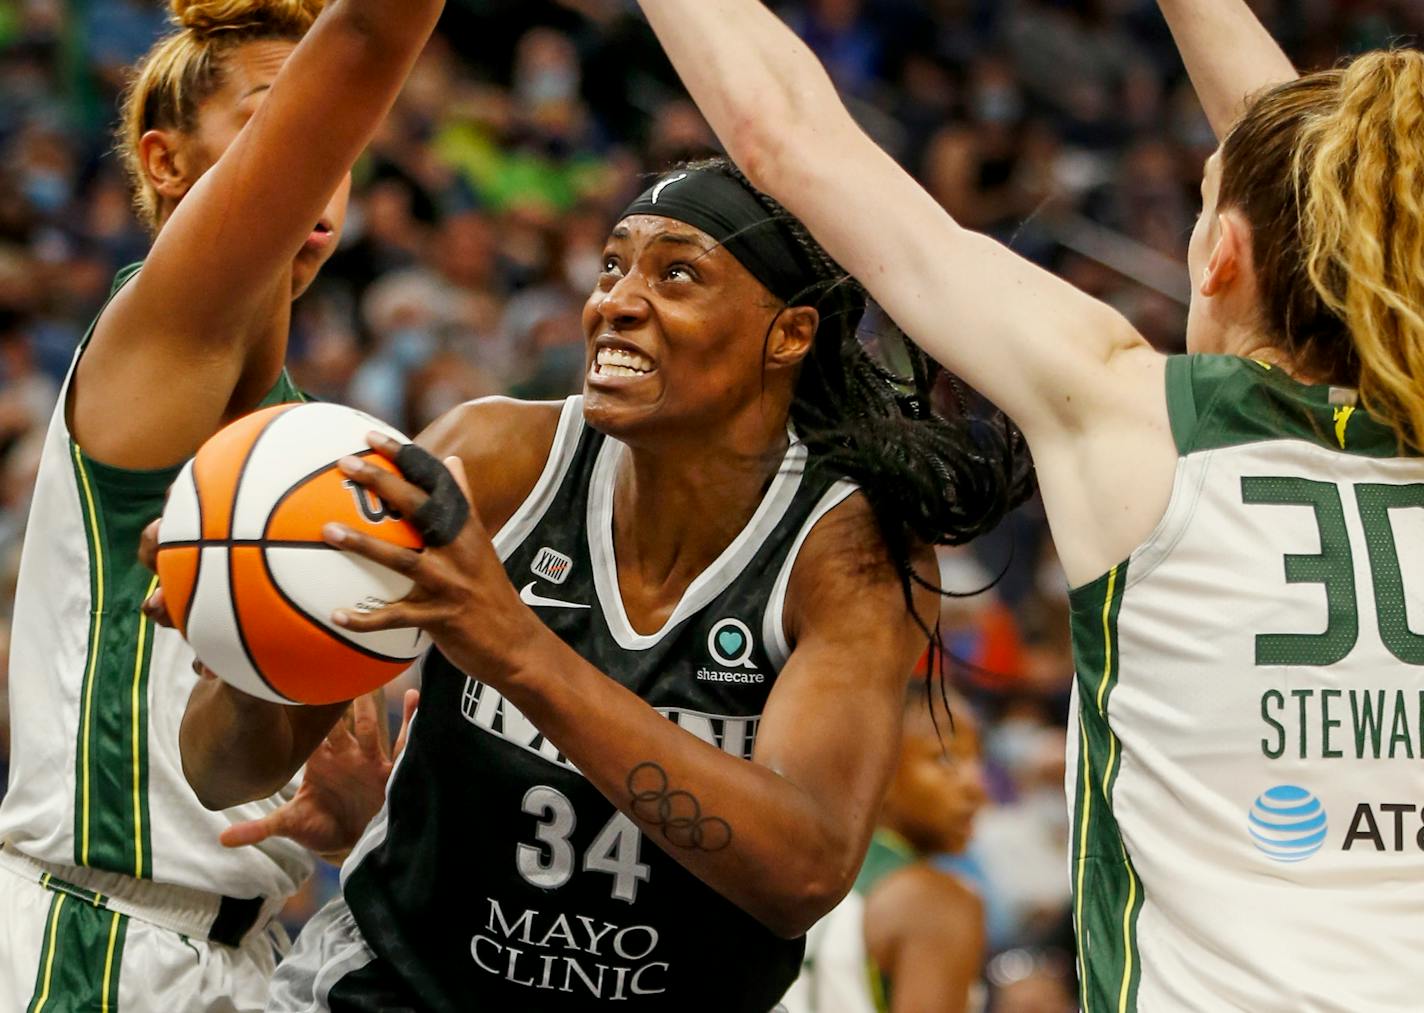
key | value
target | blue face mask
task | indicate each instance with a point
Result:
(45, 191)
(410, 347)
(549, 84)
(997, 105)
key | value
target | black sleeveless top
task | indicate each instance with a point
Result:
(497, 878)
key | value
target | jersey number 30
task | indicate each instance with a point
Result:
(1334, 567)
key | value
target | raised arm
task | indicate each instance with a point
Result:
(1035, 345)
(1229, 55)
(207, 314)
(1084, 386)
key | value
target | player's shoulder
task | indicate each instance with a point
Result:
(921, 898)
(845, 540)
(492, 425)
(503, 443)
(846, 558)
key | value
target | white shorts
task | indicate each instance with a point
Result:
(64, 950)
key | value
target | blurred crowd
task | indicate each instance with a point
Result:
(1064, 127)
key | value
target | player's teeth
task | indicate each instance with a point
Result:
(611, 358)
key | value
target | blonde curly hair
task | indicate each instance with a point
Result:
(186, 67)
(1329, 171)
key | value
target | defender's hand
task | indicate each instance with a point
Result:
(343, 786)
(154, 606)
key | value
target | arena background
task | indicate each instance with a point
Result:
(1065, 127)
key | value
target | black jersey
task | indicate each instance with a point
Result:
(499, 879)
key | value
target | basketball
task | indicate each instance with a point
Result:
(247, 577)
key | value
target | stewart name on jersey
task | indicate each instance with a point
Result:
(497, 877)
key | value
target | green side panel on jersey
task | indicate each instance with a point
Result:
(879, 987)
(1107, 892)
(112, 829)
(1217, 401)
(111, 823)
(80, 958)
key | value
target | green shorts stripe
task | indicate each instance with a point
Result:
(82, 953)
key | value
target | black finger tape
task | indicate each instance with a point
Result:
(442, 517)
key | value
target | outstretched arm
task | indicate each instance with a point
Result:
(1229, 55)
(173, 347)
(1035, 345)
(1084, 386)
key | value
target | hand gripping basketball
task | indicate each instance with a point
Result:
(442, 516)
(462, 596)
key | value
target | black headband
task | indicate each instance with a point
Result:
(729, 213)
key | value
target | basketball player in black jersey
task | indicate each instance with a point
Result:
(673, 640)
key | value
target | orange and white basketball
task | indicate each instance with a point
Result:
(246, 575)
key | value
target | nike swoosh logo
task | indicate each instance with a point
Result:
(658, 190)
(528, 597)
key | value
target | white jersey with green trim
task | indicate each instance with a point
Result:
(1248, 738)
(97, 694)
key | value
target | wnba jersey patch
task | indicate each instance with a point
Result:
(552, 566)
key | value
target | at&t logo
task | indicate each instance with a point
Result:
(1288, 823)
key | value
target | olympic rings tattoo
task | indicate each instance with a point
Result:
(677, 813)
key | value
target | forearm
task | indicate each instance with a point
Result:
(395, 27)
(236, 748)
(745, 830)
(758, 85)
(1229, 55)
(1036, 346)
(233, 236)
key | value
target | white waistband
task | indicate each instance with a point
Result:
(179, 909)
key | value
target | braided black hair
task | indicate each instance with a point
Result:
(932, 472)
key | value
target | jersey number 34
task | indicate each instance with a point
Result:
(551, 863)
